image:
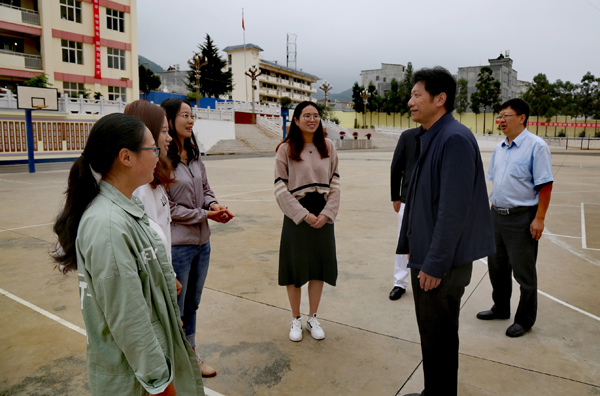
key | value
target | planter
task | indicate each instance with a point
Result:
(342, 137)
(355, 137)
(368, 137)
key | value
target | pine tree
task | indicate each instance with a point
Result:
(488, 91)
(404, 92)
(462, 98)
(148, 80)
(215, 80)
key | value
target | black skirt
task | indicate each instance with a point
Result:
(307, 253)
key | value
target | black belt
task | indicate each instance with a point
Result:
(509, 211)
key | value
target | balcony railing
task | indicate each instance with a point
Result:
(27, 15)
(246, 107)
(30, 61)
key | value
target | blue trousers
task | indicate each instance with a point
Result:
(190, 263)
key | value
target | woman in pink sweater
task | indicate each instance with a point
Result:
(307, 189)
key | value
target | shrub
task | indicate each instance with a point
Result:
(561, 133)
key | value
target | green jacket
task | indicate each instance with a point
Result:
(135, 344)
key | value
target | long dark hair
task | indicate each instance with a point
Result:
(109, 135)
(172, 107)
(295, 139)
(153, 116)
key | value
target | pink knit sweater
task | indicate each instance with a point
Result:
(294, 179)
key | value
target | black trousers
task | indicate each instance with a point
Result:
(516, 253)
(437, 316)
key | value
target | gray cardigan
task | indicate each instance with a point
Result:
(190, 197)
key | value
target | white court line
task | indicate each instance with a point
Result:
(247, 192)
(558, 301)
(31, 226)
(562, 236)
(209, 392)
(583, 236)
(572, 192)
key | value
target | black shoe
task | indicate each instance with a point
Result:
(396, 293)
(415, 394)
(490, 315)
(516, 330)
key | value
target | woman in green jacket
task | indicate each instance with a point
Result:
(135, 344)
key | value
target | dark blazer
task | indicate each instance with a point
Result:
(403, 163)
(447, 220)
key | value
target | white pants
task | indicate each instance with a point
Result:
(401, 266)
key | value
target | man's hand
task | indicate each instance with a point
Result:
(321, 220)
(397, 205)
(536, 228)
(428, 282)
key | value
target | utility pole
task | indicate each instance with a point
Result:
(253, 73)
(326, 87)
(365, 95)
(197, 62)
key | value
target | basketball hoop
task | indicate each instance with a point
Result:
(40, 107)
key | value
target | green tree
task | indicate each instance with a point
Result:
(148, 80)
(488, 91)
(462, 98)
(215, 78)
(404, 92)
(285, 102)
(374, 100)
(476, 107)
(391, 100)
(359, 105)
(540, 96)
(40, 81)
(586, 96)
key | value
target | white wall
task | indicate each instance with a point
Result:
(209, 132)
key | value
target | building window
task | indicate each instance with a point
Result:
(72, 89)
(12, 44)
(116, 58)
(383, 79)
(376, 78)
(115, 20)
(229, 59)
(70, 10)
(72, 51)
(117, 93)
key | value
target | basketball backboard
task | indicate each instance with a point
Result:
(35, 98)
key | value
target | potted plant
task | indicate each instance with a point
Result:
(368, 135)
(355, 134)
(342, 133)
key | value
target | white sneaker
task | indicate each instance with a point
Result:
(313, 325)
(296, 330)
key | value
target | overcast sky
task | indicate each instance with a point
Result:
(338, 39)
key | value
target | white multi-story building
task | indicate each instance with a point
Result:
(275, 81)
(82, 46)
(382, 78)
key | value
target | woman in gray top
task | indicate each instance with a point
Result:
(192, 203)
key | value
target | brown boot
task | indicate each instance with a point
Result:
(206, 370)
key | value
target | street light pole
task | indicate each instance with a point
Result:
(365, 95)
(253, 73)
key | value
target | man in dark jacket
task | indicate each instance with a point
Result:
(446, 226)
(401, 171)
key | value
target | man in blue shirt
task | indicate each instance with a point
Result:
(521, 171)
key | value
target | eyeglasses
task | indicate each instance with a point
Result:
(155, 149)
(309, 117)
(504, 117)
(186, 116)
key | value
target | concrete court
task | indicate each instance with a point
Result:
(372, 344)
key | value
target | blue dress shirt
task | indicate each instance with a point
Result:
(517, 170)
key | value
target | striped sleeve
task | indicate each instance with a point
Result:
(333, 198)
(287, 202)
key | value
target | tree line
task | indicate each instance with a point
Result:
(547, 100)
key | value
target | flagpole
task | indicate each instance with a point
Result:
(245, 67)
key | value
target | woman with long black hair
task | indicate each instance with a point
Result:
(135, 344)
(193, 202)
(307, 189)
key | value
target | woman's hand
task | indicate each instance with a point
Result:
(179, 286)
(220, 216)
(225, 215)
(311, 219)
(321, 220)
(170, 391)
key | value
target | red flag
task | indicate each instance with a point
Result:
(243, 27)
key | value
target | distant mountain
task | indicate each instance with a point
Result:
(340, 97)
(147, 62)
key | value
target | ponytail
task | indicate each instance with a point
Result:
(109, 135)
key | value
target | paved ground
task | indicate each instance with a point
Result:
(372, 345)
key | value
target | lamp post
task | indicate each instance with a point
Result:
(197, 62)
(253, 73)
(365, 95)
(326, 87)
